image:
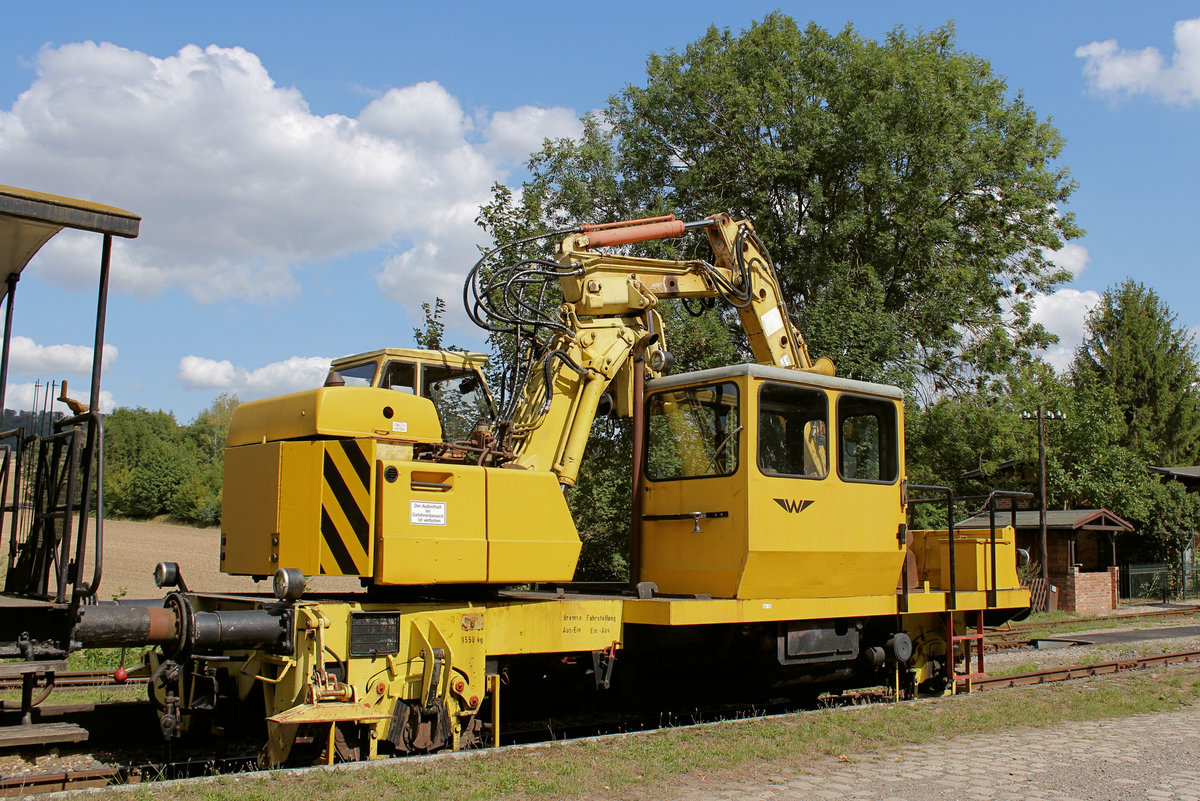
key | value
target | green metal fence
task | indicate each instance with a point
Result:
(1154, 582)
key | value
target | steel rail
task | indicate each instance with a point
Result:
(1050, 675)
(37, 783)
(78, 679)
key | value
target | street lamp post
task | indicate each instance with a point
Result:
(1042, 416)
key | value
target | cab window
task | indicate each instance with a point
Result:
(693, 432)
(792, 435)
(868, 441)
(400, 376)
(360, 375)
(459, 397)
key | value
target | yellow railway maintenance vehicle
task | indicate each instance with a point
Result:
(769, 540)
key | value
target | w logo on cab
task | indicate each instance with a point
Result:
(792, 506)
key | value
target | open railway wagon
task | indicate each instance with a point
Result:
(770, 546)
(50, 480)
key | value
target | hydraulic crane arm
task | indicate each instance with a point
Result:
(608, 327)
(741, 273)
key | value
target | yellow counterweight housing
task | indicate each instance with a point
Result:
(325, 482)
(803, 500)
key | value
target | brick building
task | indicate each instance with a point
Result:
(1082, 553)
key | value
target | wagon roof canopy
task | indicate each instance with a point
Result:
(30, 219)
(1072, 519)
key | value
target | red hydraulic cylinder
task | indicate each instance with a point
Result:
(600, 236)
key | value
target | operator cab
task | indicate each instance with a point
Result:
(452, 380)
(763, 482)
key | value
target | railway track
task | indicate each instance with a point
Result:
(1016, 635)
(1050, 675)
(143, 772)
(78, 680)
(128, 774)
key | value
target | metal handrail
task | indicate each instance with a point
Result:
(989, 505)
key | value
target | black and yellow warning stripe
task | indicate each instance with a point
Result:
(345, 510)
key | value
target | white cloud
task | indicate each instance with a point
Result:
(32, 397)
(1111, 70)
(424, 112)
(278, 378)
(1072, 256)
(26, 357)
(197, 372)
(241, 184)
(1063, 313)
(517, 133)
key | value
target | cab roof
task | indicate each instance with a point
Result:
(773, 373)
(30, 219)
(448, 357)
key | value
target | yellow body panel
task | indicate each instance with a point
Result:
(530, 533)
(304, 505)
(431, 525)
(346, 508)
(694, 612)
(775, 536)
(250, 518)
(560, 626)
(336, 412)
(681, 561)
(842, 544)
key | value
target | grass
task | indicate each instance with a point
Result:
(86, 695)
(1012, 670)
(107, 659)
(647, 765)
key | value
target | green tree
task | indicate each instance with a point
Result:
(153, 466)
(908, 201)
(1133, 345)
(146, 459)
(600, 506)
(197, 497)
(429, 336)
(211, 426)
(1089, 461)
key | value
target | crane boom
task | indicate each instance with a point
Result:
(608, 327)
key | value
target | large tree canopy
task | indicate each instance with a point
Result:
(908, 201)
(1133, 345)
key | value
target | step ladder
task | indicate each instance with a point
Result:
(27, 732)
(971, 640)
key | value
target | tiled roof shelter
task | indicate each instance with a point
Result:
(1082, 558)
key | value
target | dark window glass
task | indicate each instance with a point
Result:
(693, 432)
(867, 439)
(400, 376)
(792, 435)
(360, 375)
(459, 397)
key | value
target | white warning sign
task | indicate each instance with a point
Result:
(427, 513)
(772, 321)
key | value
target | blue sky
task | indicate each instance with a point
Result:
(307, 177)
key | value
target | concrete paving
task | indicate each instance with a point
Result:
(1130, 635)
(1154, 757)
